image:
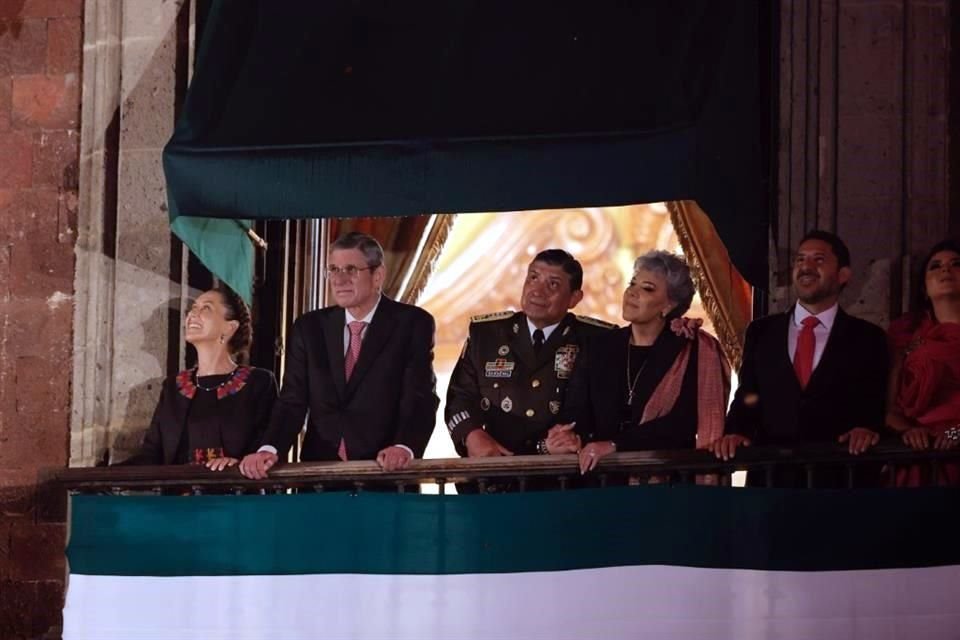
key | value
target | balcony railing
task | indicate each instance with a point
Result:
(514, 473)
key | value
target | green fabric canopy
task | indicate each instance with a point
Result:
(304, 109)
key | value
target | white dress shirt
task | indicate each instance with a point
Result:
(546, 330)
(821, 332)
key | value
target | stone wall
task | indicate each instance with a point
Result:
(862, 142)
(40, 63)
(91, 281)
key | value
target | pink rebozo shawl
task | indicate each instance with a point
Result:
(713, 389)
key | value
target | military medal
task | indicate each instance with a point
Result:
(499, 368)
(503, 350)
(563, 361)
(485, 404)
(507, 404)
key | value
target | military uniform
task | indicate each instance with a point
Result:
(501, 385)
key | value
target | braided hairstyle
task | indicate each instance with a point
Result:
(237, 309)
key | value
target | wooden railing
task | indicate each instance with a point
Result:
(514, 472)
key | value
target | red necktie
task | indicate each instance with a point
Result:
(349, 362)
(806, 346)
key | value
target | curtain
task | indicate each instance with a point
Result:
(726, 295)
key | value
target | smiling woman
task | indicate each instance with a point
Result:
(658, 383)
(214, 413)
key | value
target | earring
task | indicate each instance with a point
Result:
(663, 314)
(221, 338)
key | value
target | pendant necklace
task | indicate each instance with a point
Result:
(633, 385)
(196, 381)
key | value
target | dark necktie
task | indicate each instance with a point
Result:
(806, 347)
(537, 341)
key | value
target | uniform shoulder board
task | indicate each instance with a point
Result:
(603, 324)
(487, 317)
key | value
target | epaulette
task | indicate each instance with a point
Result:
(603, 324)
(487, 317)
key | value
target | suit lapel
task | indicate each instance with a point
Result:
(333, 325)
(374, 340)
(778, 353)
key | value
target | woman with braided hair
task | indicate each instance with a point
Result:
(214, 413)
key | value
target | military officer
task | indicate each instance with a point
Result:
(507, 387)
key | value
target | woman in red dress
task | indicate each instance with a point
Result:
(924, 396)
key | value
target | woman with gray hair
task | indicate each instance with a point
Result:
(651, 384)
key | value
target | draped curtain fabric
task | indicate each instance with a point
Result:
(306, 109)
(726, 296)
(411, 246)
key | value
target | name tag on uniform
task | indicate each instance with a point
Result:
(499, 368)
(563, 362)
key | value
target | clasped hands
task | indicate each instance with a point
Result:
(561, 438)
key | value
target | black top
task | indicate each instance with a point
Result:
(228, 419)
(597, 395)
(636, 364)
(202, 439)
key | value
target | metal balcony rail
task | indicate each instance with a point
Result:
(515, 473)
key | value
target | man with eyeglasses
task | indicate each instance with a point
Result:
(507, 388)
(360, 372)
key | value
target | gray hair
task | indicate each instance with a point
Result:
(367, 244)
(675, 271)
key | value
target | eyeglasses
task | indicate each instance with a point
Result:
(350, 271)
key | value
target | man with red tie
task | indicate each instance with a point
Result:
(360, 372)
(814, 373)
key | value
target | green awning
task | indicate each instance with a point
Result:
(303, 109)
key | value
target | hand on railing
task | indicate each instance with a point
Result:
(859, 439)
(219, 464)
(919, 438)
(394, 458)
(256, 465)
(726, 447)
(590, 455)
(481, 444)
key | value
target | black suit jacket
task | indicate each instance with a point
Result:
(244, 418)
(597, 395)
(846, 390)
(390, 398)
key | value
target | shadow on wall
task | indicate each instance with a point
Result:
(130, 421)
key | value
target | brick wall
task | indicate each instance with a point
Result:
(40, 56)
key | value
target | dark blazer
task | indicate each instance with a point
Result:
(846, 390)
(597, 394)
(390, 398)
(245, 416)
